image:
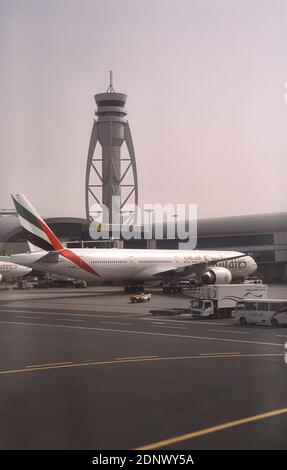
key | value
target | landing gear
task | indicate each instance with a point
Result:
(172, 289)
(134, 288)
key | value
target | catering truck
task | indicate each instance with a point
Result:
(218, 301)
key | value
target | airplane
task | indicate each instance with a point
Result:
(9, 271)
(130, 267)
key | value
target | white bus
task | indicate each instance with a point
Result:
(261, 312)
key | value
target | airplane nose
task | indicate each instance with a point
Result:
(253, 265)
(25, 270)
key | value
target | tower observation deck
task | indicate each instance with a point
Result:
(111, 174)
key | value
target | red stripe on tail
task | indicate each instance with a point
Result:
(53, 239)
(70, 255)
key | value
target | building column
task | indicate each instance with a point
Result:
(151, 244)
(118, 244)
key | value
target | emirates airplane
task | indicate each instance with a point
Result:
(123, 266)
(9, 271)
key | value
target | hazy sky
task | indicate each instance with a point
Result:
(205, 83)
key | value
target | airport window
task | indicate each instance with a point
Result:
(112, 113)
(235, 240)
(264, 256)
(167, 244)
(111, 103)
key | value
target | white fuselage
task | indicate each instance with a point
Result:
(122, 265)
(10, 271)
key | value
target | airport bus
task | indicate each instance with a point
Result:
(261, 312)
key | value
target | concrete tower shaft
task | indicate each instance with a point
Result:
(109, 173)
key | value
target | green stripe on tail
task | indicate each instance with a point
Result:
(28, 216)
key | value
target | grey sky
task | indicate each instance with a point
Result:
(205, 84)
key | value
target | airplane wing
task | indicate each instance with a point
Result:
(50, 257)
(6, 259)
(195, 268)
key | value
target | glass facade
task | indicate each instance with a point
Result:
(235, 240)
(167, 244)
(264, 256)
(112, 103)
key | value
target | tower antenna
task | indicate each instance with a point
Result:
(111, 87)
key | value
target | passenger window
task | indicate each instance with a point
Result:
(274, 306)
(251, 306)
(240, 306)
(263, 306)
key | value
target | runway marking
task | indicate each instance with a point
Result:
(29, 318)
(220, 427)
(229, 331)
(172, 327)
(282, 336)
(219, 353)
(74, 314)
(68, 319)
(190, 322)
(134, 357)
(48, 364)
(115, 323)
(132, 360)
(145, 333)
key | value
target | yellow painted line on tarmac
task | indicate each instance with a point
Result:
(135, 360)
(49, 364)
(220, 427)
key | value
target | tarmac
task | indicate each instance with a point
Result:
(87, 369)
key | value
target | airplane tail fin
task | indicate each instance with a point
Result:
(39, 235)
(33, 248)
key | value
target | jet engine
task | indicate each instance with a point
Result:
(217, 275)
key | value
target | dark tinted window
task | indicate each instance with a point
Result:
(263, 306)
(235, 240)
(278, 306)
(112, 103)
(263, 256)
(111, 113)
(167, 244)
(240, 306)
(250, 306)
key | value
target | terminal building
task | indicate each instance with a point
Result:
(262, 235)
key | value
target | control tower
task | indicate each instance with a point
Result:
(111, 165)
